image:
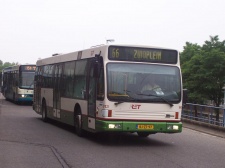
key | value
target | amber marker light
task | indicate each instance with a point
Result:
(176, 115)
(109, 113)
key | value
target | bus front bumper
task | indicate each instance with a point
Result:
(25, 98)
(128, 126)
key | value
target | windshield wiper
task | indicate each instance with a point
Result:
(168, 102)
(119, 102)
(114, 92)
(31, 85)
(129, 98)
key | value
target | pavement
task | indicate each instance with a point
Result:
(194, 125)
(205, 128)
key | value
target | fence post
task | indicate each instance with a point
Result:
(201, 112)
(211, 115)
(190, 113)
(223, 117)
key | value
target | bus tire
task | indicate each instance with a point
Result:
(78, 123)
(14, 99)
(44, 112)
(143, 134)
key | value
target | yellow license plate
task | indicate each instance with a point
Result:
(145, 127)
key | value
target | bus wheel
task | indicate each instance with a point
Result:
(143, 134)
(78, 124)
(44, 112)
(14, 99)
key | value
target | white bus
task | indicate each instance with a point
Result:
(100, 89)
(18, 83)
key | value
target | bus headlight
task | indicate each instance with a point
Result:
(175, 127)
(114, 126)
(22, 95)
(172, 127)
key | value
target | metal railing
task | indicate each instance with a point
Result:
(206, 114)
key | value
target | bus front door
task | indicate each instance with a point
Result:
(91, 97)
(56, 91)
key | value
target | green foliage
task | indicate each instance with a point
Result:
(6, 64)
(189, 50)
(203, 70)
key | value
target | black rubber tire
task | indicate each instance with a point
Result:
(78, 123)
(143, 134)
(44, 112)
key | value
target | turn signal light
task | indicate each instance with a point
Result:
(176, 115)
(110, 113)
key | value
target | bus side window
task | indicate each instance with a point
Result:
(80, 79)
(69, 79)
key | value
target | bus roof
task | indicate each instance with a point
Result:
(86, 53)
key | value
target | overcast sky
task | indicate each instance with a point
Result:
(33, 29)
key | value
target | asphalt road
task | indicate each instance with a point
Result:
(26, 141)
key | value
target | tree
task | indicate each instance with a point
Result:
(189, 51)
(203, 72)
(6, 64)
(214, 65)
(190, 61)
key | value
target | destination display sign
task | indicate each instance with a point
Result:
(142, 54)
(28, 68)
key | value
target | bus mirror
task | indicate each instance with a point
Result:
(97, 65)
(185, 96)
(97, 57)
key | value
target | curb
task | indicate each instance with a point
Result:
(204, 127)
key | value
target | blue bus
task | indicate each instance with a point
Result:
(18, 83)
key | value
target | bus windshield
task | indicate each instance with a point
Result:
(27, 80)
(127, 82)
